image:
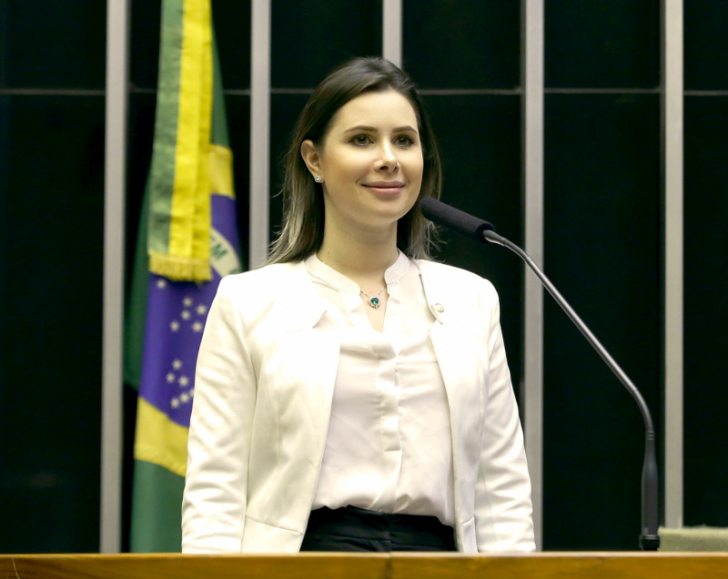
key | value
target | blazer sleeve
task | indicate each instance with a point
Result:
(214, 503)
(503, 511)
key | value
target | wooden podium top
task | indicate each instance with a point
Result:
(562, 565)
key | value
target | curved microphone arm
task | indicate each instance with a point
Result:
(649, 538)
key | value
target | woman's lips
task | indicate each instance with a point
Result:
(382, 188)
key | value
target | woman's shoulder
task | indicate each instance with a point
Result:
(271, 272)
(263, 282)
(453, 278)
(462, 292)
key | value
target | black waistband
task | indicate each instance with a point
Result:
(400, 531)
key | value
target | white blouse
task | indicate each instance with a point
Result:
(388, 446)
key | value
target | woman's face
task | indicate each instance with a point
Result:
(370, 161)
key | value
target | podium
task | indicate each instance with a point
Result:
(561, 565)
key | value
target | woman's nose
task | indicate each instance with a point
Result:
(388, 158)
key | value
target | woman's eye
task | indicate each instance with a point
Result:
(360, 140)
(405, 141)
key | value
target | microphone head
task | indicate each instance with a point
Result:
(458, 221)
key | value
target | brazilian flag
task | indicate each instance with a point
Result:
(187, 243)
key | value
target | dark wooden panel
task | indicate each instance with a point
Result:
(51, 232)
(706, 45)
(602, 44)
(602, 250)
(309, 38)
(706, 311)
(53, 44)
(462, 43)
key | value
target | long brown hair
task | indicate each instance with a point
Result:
(303, 205)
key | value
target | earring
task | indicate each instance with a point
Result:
(318, 178)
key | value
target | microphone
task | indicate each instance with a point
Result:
(482, 231)
(451, 218)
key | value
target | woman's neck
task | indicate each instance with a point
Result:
(362, 258)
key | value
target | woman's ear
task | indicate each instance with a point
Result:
(311, 157)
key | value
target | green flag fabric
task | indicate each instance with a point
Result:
(166, 319)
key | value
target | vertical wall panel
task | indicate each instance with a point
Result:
(602, 199)
(602, 250)
(706, 45)
(310, 38)
(532, 150)
(146, 19)
(706, 311)
(53, 45)
(392, 31)
(602, 43)
(462, 43)
(52, 59)
(231, 19)
(115, 131)
(50, 330)
(672, 97)
(260, 73)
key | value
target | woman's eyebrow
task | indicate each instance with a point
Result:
(375, 130)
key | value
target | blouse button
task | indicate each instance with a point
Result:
(440, 308)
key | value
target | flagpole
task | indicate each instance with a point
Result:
(117, 43)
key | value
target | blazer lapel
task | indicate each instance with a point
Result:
(457, 358)
(454, 343)
(455, 346)
(309, 360)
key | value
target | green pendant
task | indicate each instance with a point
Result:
(374, 302)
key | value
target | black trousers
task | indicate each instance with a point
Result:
(354, 529)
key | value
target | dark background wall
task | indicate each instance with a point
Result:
(706, 256)
(602, 247)
(602, 227)
(51, 249)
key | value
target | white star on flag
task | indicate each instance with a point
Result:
(184, 397)
(177, 364)
(174, 325)
(197, 327)
(187, 302)
(185, 314)
(201, 309)
(174, 402)
(161, 284)
(170, 377)
(184, 380)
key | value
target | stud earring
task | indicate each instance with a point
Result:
(318, 178)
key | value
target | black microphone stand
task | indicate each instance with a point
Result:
(649, 538)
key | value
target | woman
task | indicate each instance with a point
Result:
(353, 395)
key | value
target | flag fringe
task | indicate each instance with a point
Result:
(177, 268)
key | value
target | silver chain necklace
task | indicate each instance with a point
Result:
(373, 301)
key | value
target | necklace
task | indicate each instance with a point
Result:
(373, 301)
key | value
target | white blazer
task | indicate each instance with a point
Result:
(262, 400)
